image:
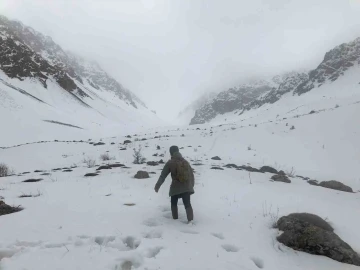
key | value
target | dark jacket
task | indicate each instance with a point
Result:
(176, 187)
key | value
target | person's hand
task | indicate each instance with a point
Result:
(156, 189)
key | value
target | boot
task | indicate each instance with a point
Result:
(189, 213)
(174, 211)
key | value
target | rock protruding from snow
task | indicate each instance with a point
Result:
(7, 209)
(336, 185)
(142, 175)
(268, 169)
(152, 163)
(310, 233)
(280, 178)
(216, 158)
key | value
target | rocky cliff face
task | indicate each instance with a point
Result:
(289, 83)
(336, 62)
(26, 53)
(236, 98)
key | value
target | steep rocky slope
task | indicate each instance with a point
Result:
(26, 53)
(337, 62)
(232, 99)
(41, 84)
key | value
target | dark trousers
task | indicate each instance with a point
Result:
(185, 198)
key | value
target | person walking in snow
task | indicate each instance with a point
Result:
(182, 185)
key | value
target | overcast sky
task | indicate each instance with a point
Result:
(169, 52)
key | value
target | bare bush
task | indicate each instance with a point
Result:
(30, 195)
(4, 170)
(106, 156)
(269, 213)
(138, 156)
(291, 172)
(90, 163)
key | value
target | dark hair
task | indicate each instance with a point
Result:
(174, 149)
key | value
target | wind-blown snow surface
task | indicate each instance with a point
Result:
(24, 105)
(82, 223)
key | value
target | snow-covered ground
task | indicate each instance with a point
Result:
(22, 114)
(82, 222)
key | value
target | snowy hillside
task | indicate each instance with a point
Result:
(114, 221)
(236, 98)
(41, 82)
(337, 63)
(186, 114)
(261, 151)
(227, 101)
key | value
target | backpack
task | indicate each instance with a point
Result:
(182, 170)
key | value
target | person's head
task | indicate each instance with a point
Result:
(173, 149)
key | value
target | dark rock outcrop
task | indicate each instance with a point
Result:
(104, 167)
(336, 185)
(152, 163)
(310, 233)
(248, 168)
(91, 174)
(7, 209)
(99, 143)
(142, 175)
(268, 169)
(116, 165)
(313, 182)
(217, 168)
(32, 180)
(280, 178)
(233, 166)
(216, 158)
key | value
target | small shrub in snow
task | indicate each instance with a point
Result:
(249, 148)
(292, 128)
(30, 195)
(158, 147)
(138, 156)
(337, 106)
(4, 170)
(291, 172)
(268, 212)
(90, 163)
(106, 156)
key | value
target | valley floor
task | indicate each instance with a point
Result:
(78, 222)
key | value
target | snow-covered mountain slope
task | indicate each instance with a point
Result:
(40, 81)
(113, 221)
(336, 64)
(230, 100)
(186, 114)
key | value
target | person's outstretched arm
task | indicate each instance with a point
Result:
(165, 172)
